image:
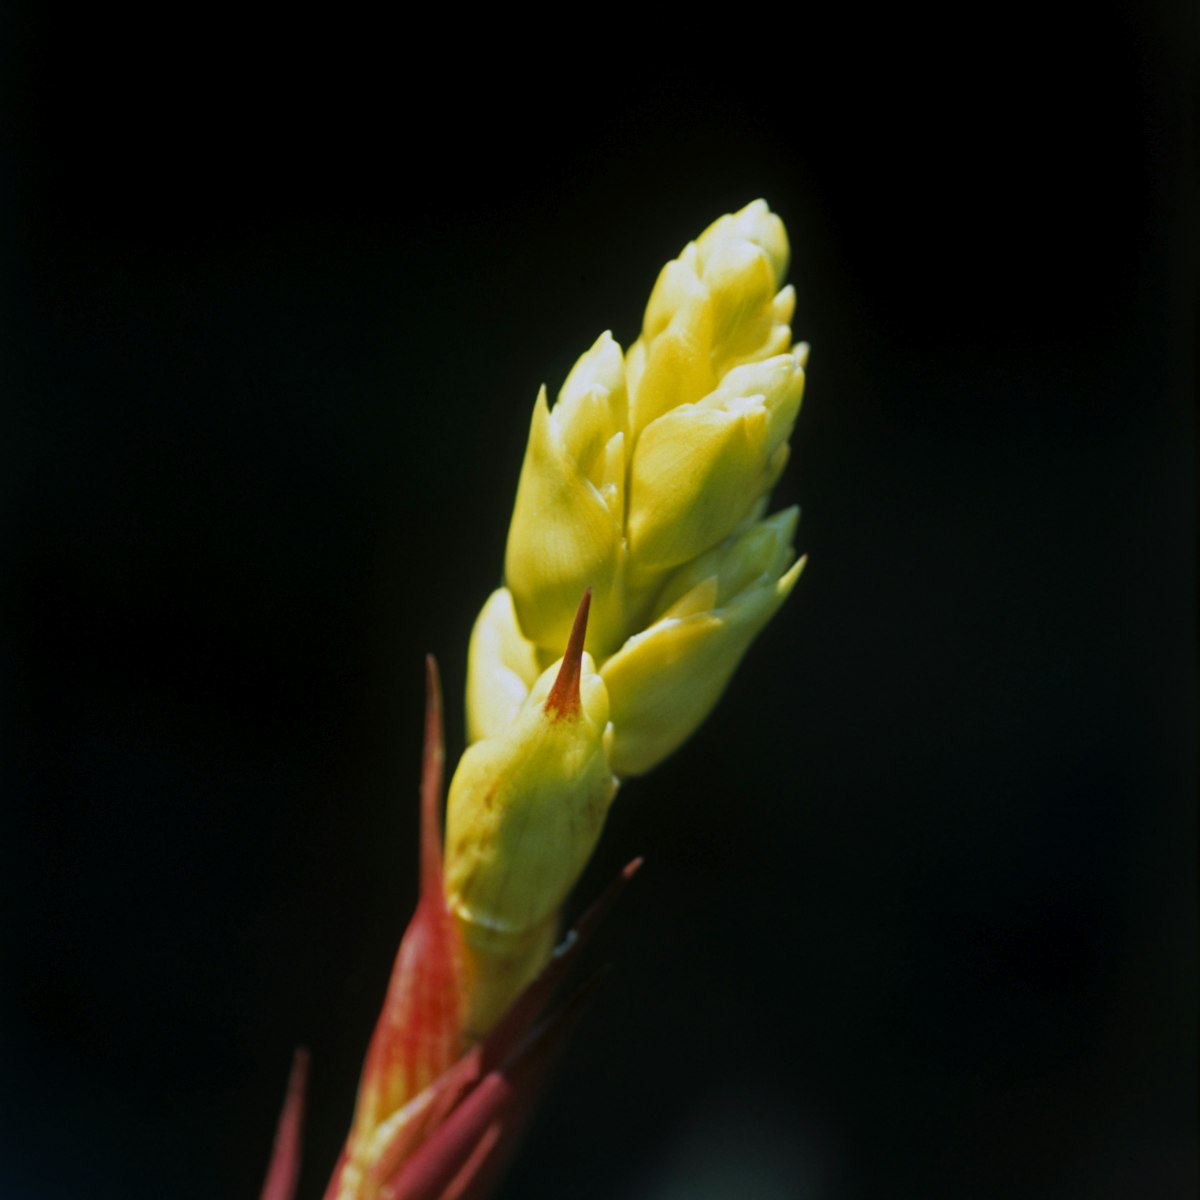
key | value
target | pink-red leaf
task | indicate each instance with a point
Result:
(284, 1171)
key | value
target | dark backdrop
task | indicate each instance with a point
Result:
(918, 911)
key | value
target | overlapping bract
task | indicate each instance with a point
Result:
(525, 811)
(647, 483)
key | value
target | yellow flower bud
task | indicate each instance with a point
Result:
(664, 681)
(567, 527)
(699, 469)
(525, 809)
(644, 485)
(713, 308)
(755, 223)
(501, 668)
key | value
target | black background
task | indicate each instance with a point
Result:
(918, 910)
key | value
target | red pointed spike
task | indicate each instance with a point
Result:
(505, 1045)
(431, 783)
(284, 1171)
(503, 1042)
(563, 700)
(448, 1160)
(417, 1036)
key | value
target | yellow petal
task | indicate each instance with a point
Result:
(699, 469)
(755, 223)
(665, 681)
(696, 472)
(591, 403)
(563, 539)
(761, 551)
(673, 368)
(501, 667)
(716, 306)
(742, 285)
(771, 339)
(677, 289)
(778, 380)
(783, 307)
(701, 598)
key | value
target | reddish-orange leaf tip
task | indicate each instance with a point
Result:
(284, 1171)
(431, 783)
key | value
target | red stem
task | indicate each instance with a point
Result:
(431, 784)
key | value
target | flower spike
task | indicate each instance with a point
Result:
(646, 488)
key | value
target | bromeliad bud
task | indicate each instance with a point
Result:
(645, 483)
(648, 481)
(567, 531)
(664, 681)
(525, 810)
(699, 469)
(644, 489)
(652, 458)
(715, 307)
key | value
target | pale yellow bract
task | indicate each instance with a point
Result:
(647, 483)
(524, 813)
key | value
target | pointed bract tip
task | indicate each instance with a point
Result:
(431, 782)
(433, 692)
(284, 1171)
(563, 700)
